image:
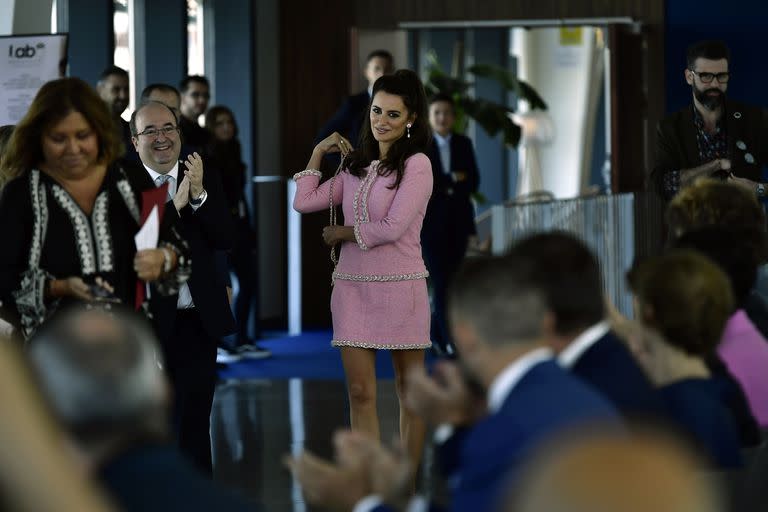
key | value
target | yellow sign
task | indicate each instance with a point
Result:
(570, 36)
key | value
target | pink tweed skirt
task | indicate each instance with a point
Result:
(381, 315)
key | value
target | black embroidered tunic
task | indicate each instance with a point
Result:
(46, 235)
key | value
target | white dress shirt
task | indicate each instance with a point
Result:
(185, 295)
(444, 149)
(506, 381)
(582, 343)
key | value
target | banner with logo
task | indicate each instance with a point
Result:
(26, 63)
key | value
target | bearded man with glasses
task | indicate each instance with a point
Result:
(714, 137)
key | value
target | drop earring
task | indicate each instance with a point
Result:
(408, 130)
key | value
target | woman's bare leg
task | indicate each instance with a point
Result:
(412, 428)
(360, 370)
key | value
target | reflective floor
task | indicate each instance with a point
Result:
(255, 423)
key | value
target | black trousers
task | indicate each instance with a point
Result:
(443, 261)
(190, 362)
(245, 266)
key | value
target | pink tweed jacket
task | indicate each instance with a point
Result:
(387, 222)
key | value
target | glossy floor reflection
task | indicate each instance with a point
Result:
(254, 423)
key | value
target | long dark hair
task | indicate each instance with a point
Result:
(213, 113)
(228, 153)
(406, 84)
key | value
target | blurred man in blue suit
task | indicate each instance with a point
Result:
(569, 275)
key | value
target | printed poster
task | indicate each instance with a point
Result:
(26, 63)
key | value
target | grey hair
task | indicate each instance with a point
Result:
(100, 372)
(499, 299)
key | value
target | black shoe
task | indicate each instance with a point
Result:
(252, 352)
(445, 352)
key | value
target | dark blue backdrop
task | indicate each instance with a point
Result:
(740, 23)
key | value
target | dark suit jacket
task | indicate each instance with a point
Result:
(735, 401)
(546, 401)
(125, 135)
(207, 230)
(193, 135)
(677, 148)
(610, 368)
(450, 217)
(348, 119)
(697, 411)
(155, 478)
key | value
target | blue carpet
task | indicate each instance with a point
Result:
(307, 356)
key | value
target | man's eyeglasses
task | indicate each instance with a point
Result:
(708, 77)
(154, 133)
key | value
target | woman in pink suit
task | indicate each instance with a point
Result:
(379, 299)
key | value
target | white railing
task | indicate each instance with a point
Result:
(605, 223)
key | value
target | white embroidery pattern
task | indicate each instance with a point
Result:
(308, 172)
(360, 204)
(372, 175)
(378, 278)
(130, 200)
(82, 229)
(382, 346)
(30, 297)
(40, 208)
(359, 237)
(100, 226)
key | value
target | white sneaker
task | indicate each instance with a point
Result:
(224, 356)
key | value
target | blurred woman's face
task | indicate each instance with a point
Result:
(70, 146)
(223, 127)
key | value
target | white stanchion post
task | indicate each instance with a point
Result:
(499, 233)
(298, 435)
(294, 263)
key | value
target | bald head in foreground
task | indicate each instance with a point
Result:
(605, 472)
(100, 371)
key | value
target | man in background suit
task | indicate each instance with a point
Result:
(190, 324)
(569, 274)
(170, 97)
(195, 95)
(114, 88)
(450, 219)
(350, 116)
(500, 321)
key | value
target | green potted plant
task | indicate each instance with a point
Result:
(492, 117)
